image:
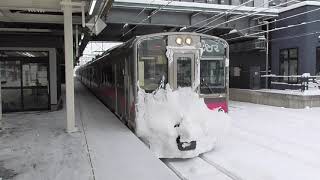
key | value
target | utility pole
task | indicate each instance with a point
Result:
(267, 54)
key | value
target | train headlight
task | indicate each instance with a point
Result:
(179, 40)
(188, 41)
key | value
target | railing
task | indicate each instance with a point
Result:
(222, 2)
(301, 82)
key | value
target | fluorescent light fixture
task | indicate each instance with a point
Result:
(93, 4)
(28, 54)
(82, 36)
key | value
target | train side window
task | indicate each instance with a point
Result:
(153, 63)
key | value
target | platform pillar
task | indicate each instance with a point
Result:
(68, 50)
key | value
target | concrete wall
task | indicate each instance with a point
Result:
(306, 44)
(274, 99)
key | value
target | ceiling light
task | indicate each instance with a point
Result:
(93, 4)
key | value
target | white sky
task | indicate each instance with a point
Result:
(94, 48)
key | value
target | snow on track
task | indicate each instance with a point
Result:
(195, 169)
(265, 143)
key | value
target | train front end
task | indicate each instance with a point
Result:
(182, 97)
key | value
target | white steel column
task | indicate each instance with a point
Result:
(68, 50)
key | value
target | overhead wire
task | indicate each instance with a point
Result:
(248, 15)
(296, 36)
(275, 21)
(152, 14)
(143, 9)
(214, 20)
(221, 13)
(135, 18)
(276, 29)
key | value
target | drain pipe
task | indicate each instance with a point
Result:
(267, 55)
(1, 124)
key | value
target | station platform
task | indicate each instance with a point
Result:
(116, 153)
(34, 145)
(280, 98)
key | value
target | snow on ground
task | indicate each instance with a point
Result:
(164, 115)
(264, 143)
(310, 92)
(35, 146)
(270, 143)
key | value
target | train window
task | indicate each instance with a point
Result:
(211, 76)
(184, 72)
(153, 63)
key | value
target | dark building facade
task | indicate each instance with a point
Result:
(296, 50)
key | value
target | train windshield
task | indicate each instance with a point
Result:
(153, 63)
(212, 67)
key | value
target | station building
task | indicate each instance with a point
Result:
(296, 50)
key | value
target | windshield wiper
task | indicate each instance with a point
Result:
(203, 82)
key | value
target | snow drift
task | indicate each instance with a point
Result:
(165, 114)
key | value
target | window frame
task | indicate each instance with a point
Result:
(139, 55)
(289, 61)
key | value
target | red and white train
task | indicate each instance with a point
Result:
(180, 59)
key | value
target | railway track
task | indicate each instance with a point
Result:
(199, 168)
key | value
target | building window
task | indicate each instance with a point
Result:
(318, 62)
(289, 64)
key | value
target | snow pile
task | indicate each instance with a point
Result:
(164, 115)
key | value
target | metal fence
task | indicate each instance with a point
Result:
(292, 82)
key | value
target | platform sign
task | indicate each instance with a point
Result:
(212, 48)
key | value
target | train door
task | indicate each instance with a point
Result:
(115, 89)
(120, 89)
(126, 88)
(183, 69)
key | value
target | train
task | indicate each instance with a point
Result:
(151, 62)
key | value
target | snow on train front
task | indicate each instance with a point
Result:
(177, 123)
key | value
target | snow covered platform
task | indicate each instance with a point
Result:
(35, 146)
(271, 143)
(281, 98)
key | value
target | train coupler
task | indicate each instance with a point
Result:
(186, 146)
